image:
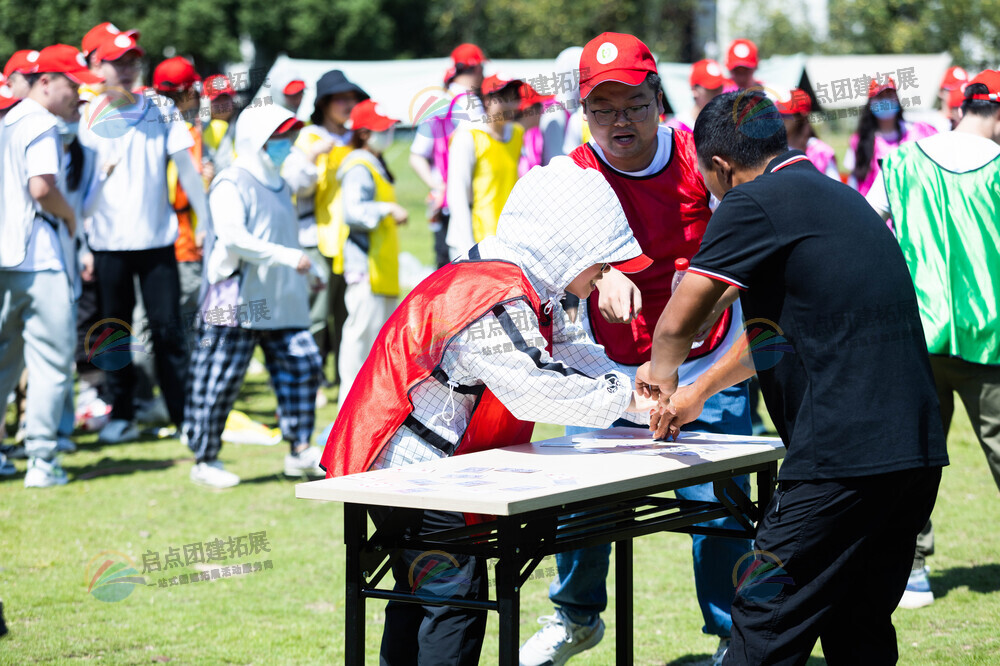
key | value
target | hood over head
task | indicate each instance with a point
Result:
(253, 128)
(568, 62)
(559, 220)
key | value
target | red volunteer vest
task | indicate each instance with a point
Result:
(409, 349)
(667, 212)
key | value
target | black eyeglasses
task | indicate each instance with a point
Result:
(633, 114)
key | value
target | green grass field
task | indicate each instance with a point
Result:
(136, 500)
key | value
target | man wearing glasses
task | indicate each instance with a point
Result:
(654, 172)
(134, 227)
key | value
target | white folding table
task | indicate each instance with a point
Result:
(545, 498)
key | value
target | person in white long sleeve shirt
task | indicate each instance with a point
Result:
(257, 295)
(474, 354)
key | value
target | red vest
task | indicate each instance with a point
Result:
(408, 350)
(668, 213)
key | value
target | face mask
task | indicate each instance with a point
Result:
(277, 150)
(379, 142)
(67, 131)
(885, 109)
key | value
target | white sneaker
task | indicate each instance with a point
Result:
(152, 411)
(44, 473)
(918, 590)
(118, 431)
(213, 475)
(305, 463)
(560, 639)
(720, 653)
(65, 445)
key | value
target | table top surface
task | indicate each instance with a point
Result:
(526, 477)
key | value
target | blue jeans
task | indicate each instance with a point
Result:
(581, 589)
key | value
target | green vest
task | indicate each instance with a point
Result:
(948, 226)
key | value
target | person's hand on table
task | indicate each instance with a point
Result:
(619, 299)
(678, 409)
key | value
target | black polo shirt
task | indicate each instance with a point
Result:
(833, 323)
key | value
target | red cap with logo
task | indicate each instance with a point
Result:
(741, 53)
(955, 77)
(7, 98)
(497, 82)
(113, 48)
(217, 85)
(294, 87)
(174, 74)
(991, 79)
(798, 102)
(614, 56)
(707, 74)
(877, 87)
(96, 36)
(25, 62)
(370, 116)
(66, 60)
(468, 55)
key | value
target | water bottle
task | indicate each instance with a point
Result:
(680, 269)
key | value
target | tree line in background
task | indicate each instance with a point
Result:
(210, 31)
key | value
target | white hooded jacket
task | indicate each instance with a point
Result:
(558, 221)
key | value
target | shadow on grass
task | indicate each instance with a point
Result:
(120, 467)
(692, 659)
(983, 579)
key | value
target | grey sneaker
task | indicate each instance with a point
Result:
(118, 431)
(213, 475)
(918, 591)
(6, 467)
(44, 474)
(65, 445)
(559, 639)
(305, 463)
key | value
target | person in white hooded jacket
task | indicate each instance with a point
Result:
(471, 358)
(256, 293)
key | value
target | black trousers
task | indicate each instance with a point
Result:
(440, 242)
(161, 294)
(832, 560)
(416, 635)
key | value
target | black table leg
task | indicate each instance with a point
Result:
(508, 592)
(623, 602)
(355, 535)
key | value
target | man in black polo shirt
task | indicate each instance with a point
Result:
(834, 332)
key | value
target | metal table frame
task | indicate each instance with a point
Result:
(519, 542)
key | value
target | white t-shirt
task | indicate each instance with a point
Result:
(44, 253)
(955, 151)
(134, 212)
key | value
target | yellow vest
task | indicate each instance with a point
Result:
(493, 178)
(327, 187)
(383, 253)
(213, 131)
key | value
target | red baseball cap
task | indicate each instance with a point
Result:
(25, 62)
(289, 125)
(294, 87)
(7, 98)
(66, 60)
(530, 97)
(955, 77)
(369, 115)
(741, 53)
(497, 82)
(613, 56)
(707, 74)
(217, 85)
(991, 79)
(99, 33)
(956, 96)
(633, 265)
(174, 74)
(468, 55)
(113, 48)
(798, 102)
(874, 88)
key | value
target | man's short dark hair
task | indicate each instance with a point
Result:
(741, 127)
(979, 107)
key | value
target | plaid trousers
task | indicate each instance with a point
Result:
(218, 366)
